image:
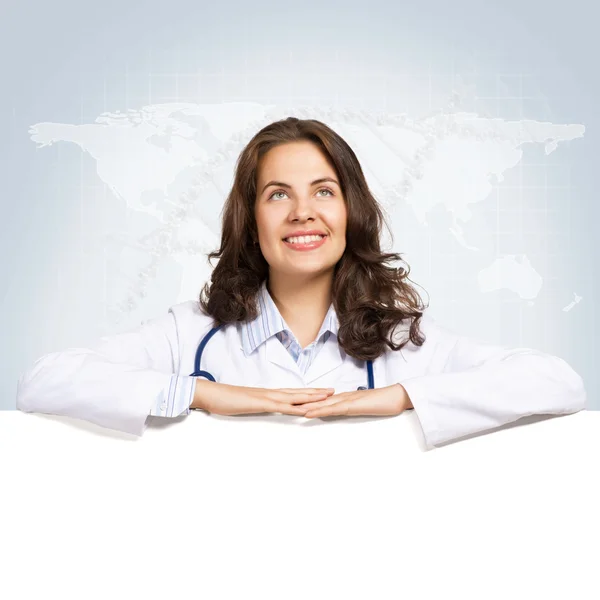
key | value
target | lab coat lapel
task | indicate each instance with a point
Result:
(278, 355)
(329, 358)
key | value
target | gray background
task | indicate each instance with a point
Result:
(68, 62)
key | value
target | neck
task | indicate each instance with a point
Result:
(302, 300)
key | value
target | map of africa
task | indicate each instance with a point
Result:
(172, 165)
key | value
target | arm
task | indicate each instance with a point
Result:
(481, 386)
(115, 384)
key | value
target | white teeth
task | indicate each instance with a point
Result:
(304, 239)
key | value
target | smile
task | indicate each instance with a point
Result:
(309, 242)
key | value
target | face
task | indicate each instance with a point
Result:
(297, 203)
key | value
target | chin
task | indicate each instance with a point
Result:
(309, 270)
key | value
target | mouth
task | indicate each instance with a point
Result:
(308, 242)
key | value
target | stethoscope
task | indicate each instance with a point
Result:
(199, 373)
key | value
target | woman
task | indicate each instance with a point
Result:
(303, 316)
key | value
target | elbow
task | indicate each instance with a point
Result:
(28, 393)
(22, 400)
(33, 386)
(574, 392)
(25, 399)
(578, 393)
(552, 384)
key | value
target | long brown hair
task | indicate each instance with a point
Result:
(369, 297)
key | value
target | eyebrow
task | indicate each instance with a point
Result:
(287, 185)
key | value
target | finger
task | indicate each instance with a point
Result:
(365, 403)
(353, 404)
(297, 398)
(312, 404)
(291, 390)
(285, 408)
(343, 408)
(307, 390)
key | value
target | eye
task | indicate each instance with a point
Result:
(282, 192)
(326, 190)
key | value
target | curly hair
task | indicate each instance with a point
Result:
(370, 298)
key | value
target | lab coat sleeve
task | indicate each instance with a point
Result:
(114, 384)
(481, 386)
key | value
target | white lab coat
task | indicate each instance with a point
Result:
(457, 385)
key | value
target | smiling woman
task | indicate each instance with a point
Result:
(301, 220)
(302, 304)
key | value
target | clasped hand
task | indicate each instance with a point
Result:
(224, 399)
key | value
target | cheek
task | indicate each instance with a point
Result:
(264, 227)
(268, 234)
(339, 219)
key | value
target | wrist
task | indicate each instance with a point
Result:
(199, 400)
(405, 402)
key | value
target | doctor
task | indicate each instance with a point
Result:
(303, 316)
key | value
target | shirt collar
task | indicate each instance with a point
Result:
(269, 322)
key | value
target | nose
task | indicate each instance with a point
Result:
(303, 209)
